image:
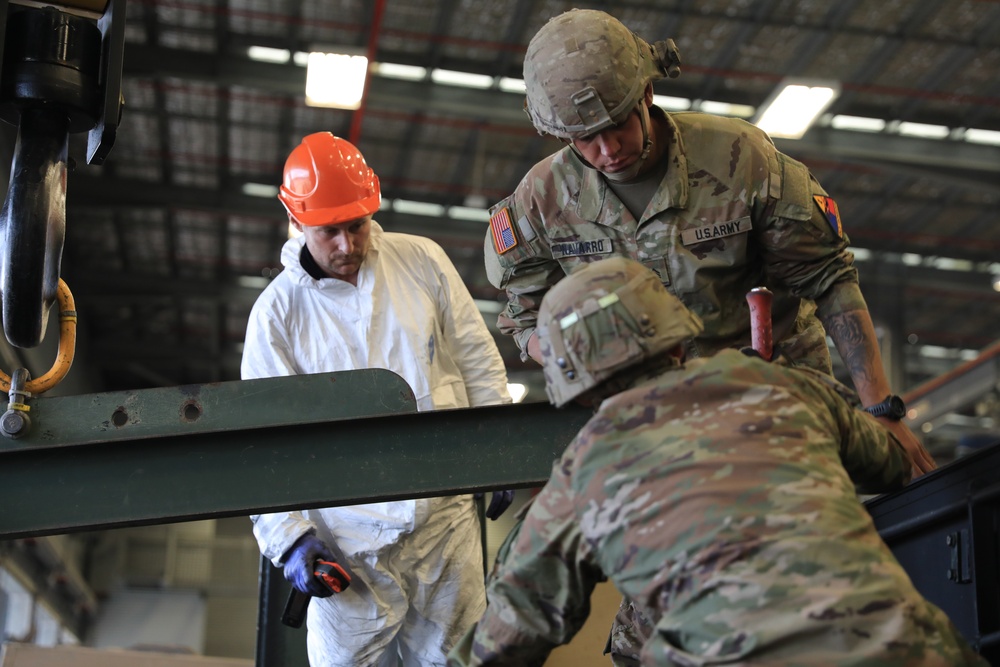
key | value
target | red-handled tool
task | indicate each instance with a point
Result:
(333, 576)
(759, 300)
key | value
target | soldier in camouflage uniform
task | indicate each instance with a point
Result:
(706, 202)
(718, 494)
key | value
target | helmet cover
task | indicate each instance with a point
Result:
(605, 317)
(585, 71)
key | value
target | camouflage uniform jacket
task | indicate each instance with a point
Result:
(731, 213)
(721, 499)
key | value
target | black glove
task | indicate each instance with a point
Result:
(499, 503)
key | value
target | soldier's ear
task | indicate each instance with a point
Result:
(647, 96)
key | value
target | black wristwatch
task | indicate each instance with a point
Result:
(891, 408)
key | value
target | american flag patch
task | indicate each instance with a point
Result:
(503, 234)
(831, 213)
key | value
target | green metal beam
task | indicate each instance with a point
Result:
(237, 448)
(222, 406)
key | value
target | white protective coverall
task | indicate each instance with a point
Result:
(418, 563)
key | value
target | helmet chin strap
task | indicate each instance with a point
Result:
(647, 146)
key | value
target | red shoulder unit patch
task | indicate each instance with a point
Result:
(831, 213)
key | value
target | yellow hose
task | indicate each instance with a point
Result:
(67, 347)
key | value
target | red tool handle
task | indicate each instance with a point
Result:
(759, 300)
(333, 575)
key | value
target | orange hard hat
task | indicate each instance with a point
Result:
(327, 181)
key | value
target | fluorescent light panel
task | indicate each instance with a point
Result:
(260, 190)
(266, 54)
(794, 109)
(672, 103)
(469, 213)
(450, 77)
(509, 85)
(857, 123)
(923, 130)
(976, 136)
(254, 282)
(726, 109)
(951, 264)
(418, 208)
(404, 72)
(936, 352)
(335, 80)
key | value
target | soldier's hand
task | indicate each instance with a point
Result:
(922, 461)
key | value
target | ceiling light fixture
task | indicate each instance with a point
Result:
(260, 190)
(469, 213)
(450, 77)
(725, 108)
(857, 123)
(794, 107)
(923, 130)
(410, 207)
(335, 80)
(668, 103)
(266, 54)
(511, 85)
(397, 71)
(977, 136)
(861, 254)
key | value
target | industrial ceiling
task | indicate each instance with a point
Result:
(166, 250)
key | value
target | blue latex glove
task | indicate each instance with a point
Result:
(499, 503)
(300, 561)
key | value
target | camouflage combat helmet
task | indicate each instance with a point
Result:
(603, 318)
(585, 71)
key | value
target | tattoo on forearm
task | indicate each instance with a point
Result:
(856, 349)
